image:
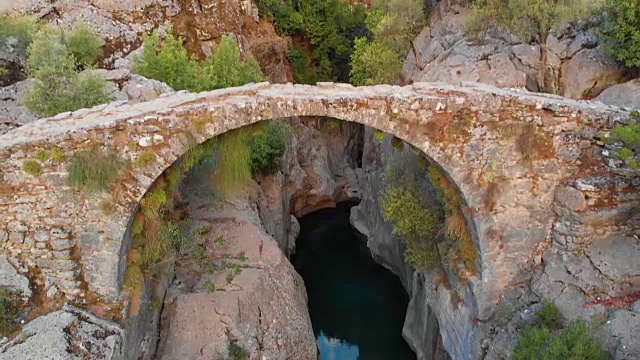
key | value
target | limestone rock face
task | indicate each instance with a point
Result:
(625, 326)
(12, 113)
(624, 95)
(11, 278)
(263, 309)
(68, 334)
(577, 67)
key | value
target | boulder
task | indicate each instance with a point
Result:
(12, 113)
(68, 334)
(589, 72)
(10, 278)
(624, 325)
(623, 95)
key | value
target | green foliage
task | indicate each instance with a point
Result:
(396, 23)
(233, 165)
(209, 287)
(622, 30)
(378, 135)
(17, 32)
(57, 86)
(629, 136)
(84, 45)
(57, 155)
(32, 168)
(3, 71)
(145, 158)
(42, 155)
(94, 169)
(10, 306)
(373, 63)
(268, 145)
(303, 72)
(329, 25)
(168, 61)
(237, 352)
(550, 316)
(573, 343)
(412, 218)
(529, 19)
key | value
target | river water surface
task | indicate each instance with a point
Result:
(357, 307)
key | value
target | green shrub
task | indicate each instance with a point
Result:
(32, 168)
(573, 343)
(94, 169)
(622, 30)
(42, 155)
(413, 219)
(57, 86)
(395, 23)
(209, 287)
(237, 352)
(10, 306)
(550, 316)
(84, 44)
(373, 63)
(303, 72)
(18, 32)
(57, 155)
(268, 145)
(3, 71)
(168, 61)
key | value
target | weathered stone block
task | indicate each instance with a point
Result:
(41, 236)
(16, 237)
(64, 265)
(571, 198)
(59, 233)
(63, 255)
(61, 244)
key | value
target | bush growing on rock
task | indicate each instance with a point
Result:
(58, 86)
(573, 343)
(94, 169)
(373, 63)
(413, 218)
(17, 33)
(10, 305)
(268, 144)
(84, 45)
(622, 30)
(167, 60)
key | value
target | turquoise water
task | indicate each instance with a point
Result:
(357, 307)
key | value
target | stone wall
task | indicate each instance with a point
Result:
(54, 229)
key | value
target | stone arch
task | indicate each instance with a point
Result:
(460, 127)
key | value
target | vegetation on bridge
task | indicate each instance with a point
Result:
(10, 307)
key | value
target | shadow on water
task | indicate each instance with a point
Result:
(357, 307)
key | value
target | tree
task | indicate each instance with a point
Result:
(529, 19)
(373, 63)
(17, 33)
(57, 85)
(622, 30)
(396, 22)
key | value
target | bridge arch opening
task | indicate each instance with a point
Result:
(415, 190)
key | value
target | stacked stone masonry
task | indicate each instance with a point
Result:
(63, 233)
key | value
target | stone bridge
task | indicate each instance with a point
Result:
(514, 155)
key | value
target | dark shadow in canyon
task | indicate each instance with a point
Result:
(357, 307)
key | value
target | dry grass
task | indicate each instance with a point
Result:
(145, 159)
(530, 143)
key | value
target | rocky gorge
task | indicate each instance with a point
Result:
(586, 255)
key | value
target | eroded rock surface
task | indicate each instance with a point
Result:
(67, 334)
(263, 309)
(578, 67)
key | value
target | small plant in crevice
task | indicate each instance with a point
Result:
(32, 168)
(57, 155)
(209, 287)
(378, 135)
(10, 307)
(550, 316)
(626, 138)
(95, 169)
(42, 155)
(107, 207)
(145, 159)
(237, 352)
